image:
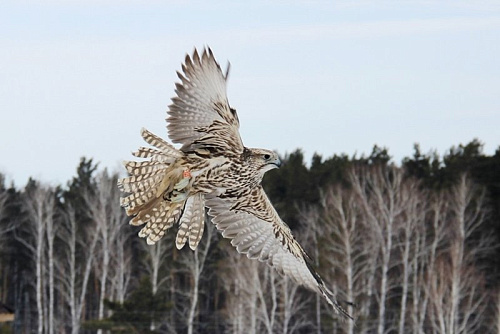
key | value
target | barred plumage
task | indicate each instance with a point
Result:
(140, 182)
(155, 155)
(159, 143)
(212, 168)
(163, 217)
(192, 223)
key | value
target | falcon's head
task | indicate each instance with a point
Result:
(261, 160)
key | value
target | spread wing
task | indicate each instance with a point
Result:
(200, 117)
(257, 231)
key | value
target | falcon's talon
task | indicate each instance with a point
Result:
(178, 196)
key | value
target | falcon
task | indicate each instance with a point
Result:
(212, 169)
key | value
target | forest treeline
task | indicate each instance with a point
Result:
(407, 248)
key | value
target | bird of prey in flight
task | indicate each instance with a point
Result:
(212, 169)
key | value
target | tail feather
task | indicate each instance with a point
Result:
(143, 214)
(141, 182)
(192, 223)
(160, 218)
(154, 154)
(143, 167)
(149, 181)
(196, 231)
(158, 142)
(135, 201)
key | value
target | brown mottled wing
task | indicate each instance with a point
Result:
(200, 117)
(257, 231)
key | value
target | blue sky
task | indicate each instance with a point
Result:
(80, 78)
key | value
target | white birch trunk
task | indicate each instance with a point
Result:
(318, 314)
(253, 311)
(405, 283)
(104, 209)
(438, 212)
(497, 313)
(153, 262)
(457, 254)
(238, 317)
(384, 284)
(457, 294)
(71, 269)
(196, 263)
(39, 271)
(80, 302)
(411, 224)
(122, 265)
(104, 276)
(40, 205)
(50, 233)
(386, 261)
(287, 307)
(194, 292)
(379, 192)
(268, 307)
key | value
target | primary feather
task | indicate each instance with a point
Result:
(214, 170)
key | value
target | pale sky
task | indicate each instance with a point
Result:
(80, 78)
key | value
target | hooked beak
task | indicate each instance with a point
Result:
(276, 162)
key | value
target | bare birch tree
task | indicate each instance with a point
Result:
(410, 223)
(39, 204)
(427, 239)
(392, 211)
(50, 231)
(75, 264)
(121, 262)
(102, 204)
(155, 258)
(293, 307)
(194, 264)
(348, 248)
(267, 296)
(240, 278)
(259, 300)
(456, 287)
(153, 263)
(379, 192)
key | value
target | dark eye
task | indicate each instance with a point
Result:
(267, 156)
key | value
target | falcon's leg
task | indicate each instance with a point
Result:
(178, 195)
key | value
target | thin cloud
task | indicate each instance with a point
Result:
(374, 29)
